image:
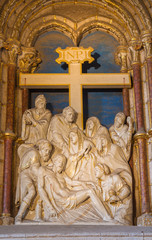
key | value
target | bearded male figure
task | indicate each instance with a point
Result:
(60, 126)
(30, 163)
(35, 121)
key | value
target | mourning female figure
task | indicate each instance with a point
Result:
(80, 162)
(94, 129)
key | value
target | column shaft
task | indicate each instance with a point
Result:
(141, 139)
(126, 106)
(10, 98)
(149, 68)
(138, 96)
(8, 142)
(145, 206)
(8, 155)
(25, 95)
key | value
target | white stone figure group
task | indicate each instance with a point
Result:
(70, 176)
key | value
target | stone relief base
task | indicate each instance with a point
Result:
(83, 232)
(145, 220)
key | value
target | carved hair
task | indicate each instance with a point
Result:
(42, 142)
(96, 123)
(61, 156)
(122, 115)
(40, 98)
(103, 168)
(66, 109)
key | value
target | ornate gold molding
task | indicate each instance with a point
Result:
(10, 135)
(150, 132)
(19, 140)
(6, 214)
(140, 135)
(134, 49)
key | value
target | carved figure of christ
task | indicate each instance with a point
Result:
(75, 80)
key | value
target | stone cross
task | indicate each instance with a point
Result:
(75, 80)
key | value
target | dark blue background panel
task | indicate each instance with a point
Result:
(46, 45)
(57, 99)
(102, 103)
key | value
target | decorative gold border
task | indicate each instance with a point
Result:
(140, 135)
(6, 214)
(150, 132)
(9, 135)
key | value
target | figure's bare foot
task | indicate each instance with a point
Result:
(53, 213)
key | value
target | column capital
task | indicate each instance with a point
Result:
(13, 48)
(147, 43)
(134, 48)
(28, 60)
(121, 57)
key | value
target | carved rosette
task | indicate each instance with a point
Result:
(29, 60)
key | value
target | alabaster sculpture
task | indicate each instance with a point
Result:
(70, 176)
(35, 121)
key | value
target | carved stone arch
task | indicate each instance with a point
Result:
(29, 37)
(57, 22)
(114, 24)
(104, 27)
(22, 11)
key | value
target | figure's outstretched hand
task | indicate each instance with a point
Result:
(129, 120)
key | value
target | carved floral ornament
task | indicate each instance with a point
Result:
(13, 49)
(28, 60)
(121, 57)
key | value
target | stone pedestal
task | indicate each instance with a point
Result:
(73, 232)
(145, 220)
(6, 220)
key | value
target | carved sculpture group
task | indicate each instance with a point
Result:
(71, 176)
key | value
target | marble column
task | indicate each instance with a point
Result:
(140, 136)
(121, 59)
(12, 48)
(147, 44)
(27, 63)
(1, 66)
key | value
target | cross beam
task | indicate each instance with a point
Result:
(75, 81)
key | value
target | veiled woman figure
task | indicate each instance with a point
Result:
(95, 129)
(80, 162)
